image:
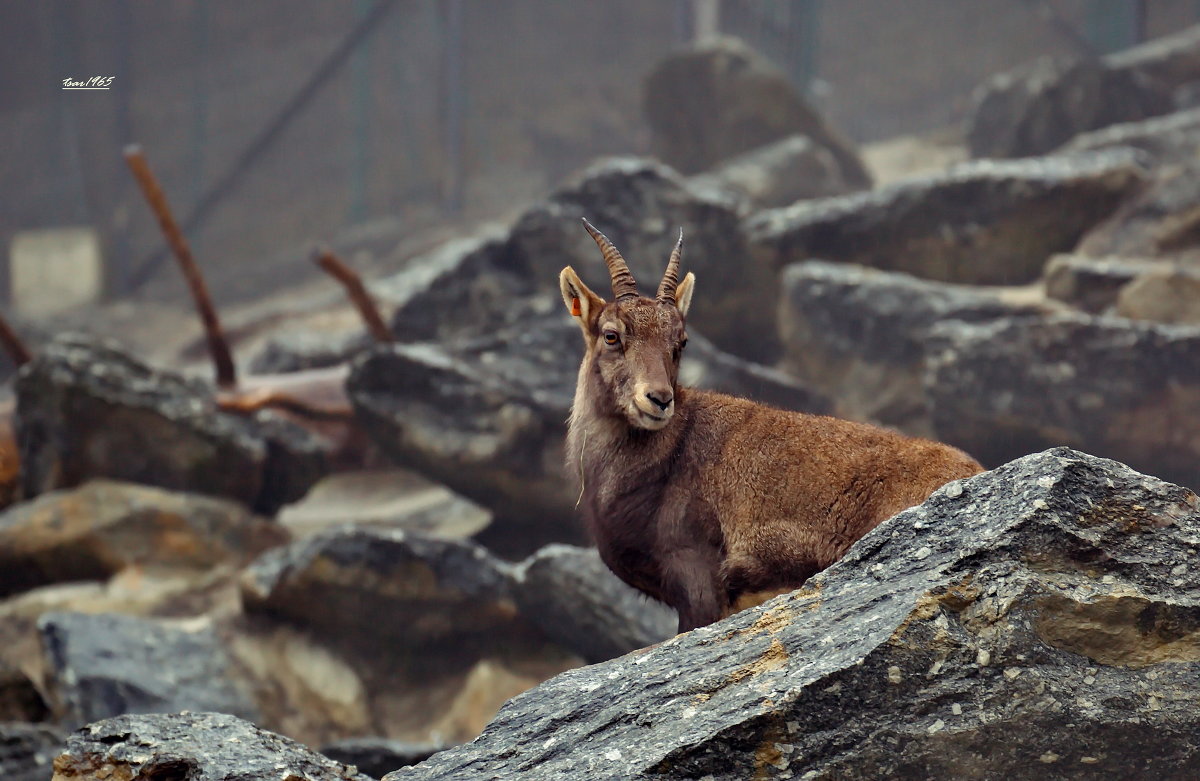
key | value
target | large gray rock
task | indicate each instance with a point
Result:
(1125, 390)
(983, 222)
(191, 746)
(94, 531)
(87, 409)
(367, 586)
(720, 98)
(571, 595)
(859, 335)
(487, 416)
(26, 750)
(641, 205)
(1161, 221)
(778, 174)
(1038, 108)
(1034, 620)
(1174, 137)
(1091, 284)
(106, 665)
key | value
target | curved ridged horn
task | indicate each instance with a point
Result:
(623, 283)
(670, 280)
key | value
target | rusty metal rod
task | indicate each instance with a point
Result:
(218, 347)
(367, 308)
(16, 349)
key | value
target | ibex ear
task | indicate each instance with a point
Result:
(582, 303)
(683, 293)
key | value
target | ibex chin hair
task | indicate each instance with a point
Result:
(707, 502)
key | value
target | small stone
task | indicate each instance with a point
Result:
(983, 658)
(954, 490)
(923, 552)
(1011, 673)
(936, 726)
(956, 709)
(894, 674)
(1049, 757)
(1089, 679)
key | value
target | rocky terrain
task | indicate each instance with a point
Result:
(193, 591)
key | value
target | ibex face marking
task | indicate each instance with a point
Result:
(633, 343)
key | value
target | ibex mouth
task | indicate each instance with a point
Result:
(651, 421)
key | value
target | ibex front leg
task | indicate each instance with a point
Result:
(690, 563)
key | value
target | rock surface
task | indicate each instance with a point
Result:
(107, 665)
(859, 334)
(641, 205)
(1124, 390)
(1038, 108)
(1038, 619)
(191, 746)
(434, 593)
(1171, 138)
(379, 756)
(570, 595)
(1163, 295)
(1161, 221)
(94, 531)
(778, 174)
(26, 750)
(1091, 284)
(720, 98)
(983, 222)
(86, 409)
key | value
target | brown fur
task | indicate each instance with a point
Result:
(727, 501)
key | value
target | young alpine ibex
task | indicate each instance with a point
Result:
(707, 502)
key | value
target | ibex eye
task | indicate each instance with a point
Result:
(610, 337)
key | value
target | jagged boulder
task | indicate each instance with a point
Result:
(859, 335)
(1038, 108)
(107, 665)
(433, 592)
(26, 750)
(1171, 138)
(487, 416)
(641, 205)
(1091, 284)
(778, 173)
(1161, 221)
(1163, 295)
(192, 746)
(720, 98)
(983, 222)
(1122, 389)
(1036, 620)
(94, 531)
(87, 409)
(570, 595)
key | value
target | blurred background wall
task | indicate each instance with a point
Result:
(273, 125)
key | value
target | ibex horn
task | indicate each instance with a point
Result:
(623, 283)
(670, 280)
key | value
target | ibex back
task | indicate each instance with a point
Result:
(708, 502)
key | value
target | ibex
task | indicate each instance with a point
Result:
(707, 502)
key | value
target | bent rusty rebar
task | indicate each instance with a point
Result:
(357, 292)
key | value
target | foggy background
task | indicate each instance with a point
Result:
(375, 122)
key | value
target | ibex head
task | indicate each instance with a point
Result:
(633, 342)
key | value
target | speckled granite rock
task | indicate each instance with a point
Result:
(983, 222)
(87, 409)
(107, 665)
(191, 746)
(1118, 388)
(92, 532)
(1036, 621)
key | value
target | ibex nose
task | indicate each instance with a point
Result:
(661, 398)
